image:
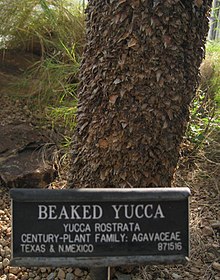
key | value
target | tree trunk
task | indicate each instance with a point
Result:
(138, 76)
(214, 21)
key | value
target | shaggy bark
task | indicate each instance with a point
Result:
(138, 76)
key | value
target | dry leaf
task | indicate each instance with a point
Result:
(135, 3)
(124, 125)
(198, 3)
(117, 18)
(113, 98)
(167, 41)
(165, 125)
(158, 75)
(117, 81)
(132, 43)
(125, 36)
(120, 2)
(103, 144)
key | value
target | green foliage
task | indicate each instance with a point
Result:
(50, 81)
(213, 54)
(54, 31)
(65, 115)
(205, 118)
(41, 26)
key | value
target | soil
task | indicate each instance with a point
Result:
(199, 170)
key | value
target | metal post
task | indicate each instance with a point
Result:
(100, 273)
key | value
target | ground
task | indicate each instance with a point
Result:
(198, 169)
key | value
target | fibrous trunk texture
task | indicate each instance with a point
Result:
(138, 76)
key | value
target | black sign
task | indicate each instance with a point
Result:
(100, 227)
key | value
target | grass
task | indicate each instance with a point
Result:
(42, 26)
(53, 31)
(213, 55)
(205, 109)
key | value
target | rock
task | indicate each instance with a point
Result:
(211, 256)
(6, 270)
(216, 266)
(14, 270)
(216, 225)
(2, 252)
(24, 276)
(78, 272)
(31, 275)
(7, 252)
(195, 270)
(5, 242)
(51, 276)
(69, 276)
(24, 161)
(207, 231)
(5, 262)
(11, 276)
(61, 274)
(43, 269)
(176, 276)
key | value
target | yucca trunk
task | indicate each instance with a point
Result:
(138, 76)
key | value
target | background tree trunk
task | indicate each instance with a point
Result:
(214, 31)
(138, 76)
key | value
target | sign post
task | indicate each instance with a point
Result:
(100, 273)
(99, 227)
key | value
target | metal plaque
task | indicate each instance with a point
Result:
(99, 227)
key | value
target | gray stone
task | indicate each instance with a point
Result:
(176, 276)
(51, 276)
(69, 276)
(24, 159)
(43, 269)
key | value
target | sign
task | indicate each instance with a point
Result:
(99, 227)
